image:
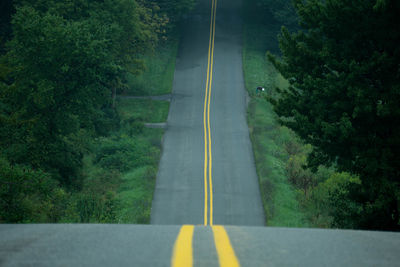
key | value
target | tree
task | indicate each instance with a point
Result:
(343, 69)
(6, 11)
(174, 9)
(128, 27)
(281, 10)
(59, 73)
(64, 64)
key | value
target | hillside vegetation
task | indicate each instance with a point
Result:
(326, 132)
(70, 149)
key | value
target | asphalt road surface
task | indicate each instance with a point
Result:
(206, 179)
(183, 195)
(152, 245)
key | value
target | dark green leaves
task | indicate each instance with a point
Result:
(344, 73)
(59, 74)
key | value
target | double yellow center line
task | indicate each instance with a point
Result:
(206, 121)
(183, 249)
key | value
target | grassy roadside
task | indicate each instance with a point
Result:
(159, 71)
(142, 110)
(272, 143)
(136, 189)
(135, 193)
(121, 168)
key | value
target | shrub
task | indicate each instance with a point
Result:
(28, 195)
(298, 175)
(123, 154)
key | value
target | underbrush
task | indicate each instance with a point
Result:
(272, 146)
(159, 70)
(120, 176)
(292, 195)
(142, 110)
(272, 143)
(120, 169)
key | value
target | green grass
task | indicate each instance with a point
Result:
(258, 71)
(135, 196)
(143, 110)
(269, 139)
(135, 193)
(120, 180)
(159, 71)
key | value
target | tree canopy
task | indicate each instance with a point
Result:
(281, 11)
(344, 95)
(61, 63)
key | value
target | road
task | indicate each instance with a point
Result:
(207, 128)
(152, 245)
(206, 179)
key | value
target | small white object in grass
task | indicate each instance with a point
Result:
(261, 89)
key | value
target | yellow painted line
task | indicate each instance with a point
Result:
(208, 115)
(183, 249)
(226, 254)
(206, 120)
(205, 125)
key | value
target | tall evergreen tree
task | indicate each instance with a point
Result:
(344, 95)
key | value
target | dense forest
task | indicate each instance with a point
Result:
(342, 62)
(62, 64)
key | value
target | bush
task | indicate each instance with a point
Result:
(93, 207)
(298, 175)
(28, 195)
(106, 121)
(124, 154)
(135, 128)
(329, 203)
(97, 201)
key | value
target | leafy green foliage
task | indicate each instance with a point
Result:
(97, 201)
(174, 9)
(339, 201)
(123, 154)
(272, 143)
(298, 175)
(159, 70)
(281, 10)
(6, 11)
(142, 110)
(28, 195)
(136, 194)
(328, 199)
(60, 70)
(57, 64)
(344, 95)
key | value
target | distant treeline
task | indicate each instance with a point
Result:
(62, 62)
(343, 66)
